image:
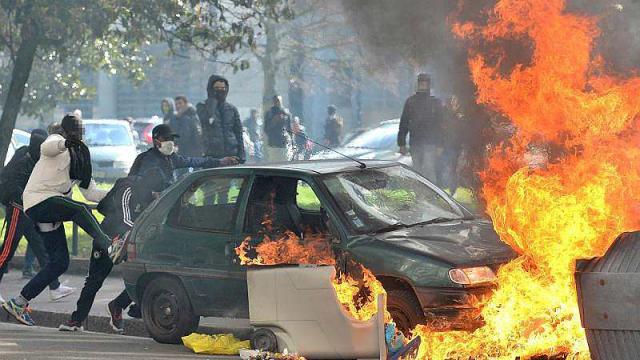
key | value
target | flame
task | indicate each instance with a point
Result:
(574, 204)
(360, 298)
(286, 248)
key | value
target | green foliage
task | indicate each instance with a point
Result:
(111, 35)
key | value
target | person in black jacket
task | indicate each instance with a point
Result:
(162, 156)
(422, 119)
(220, 122)
(121, 207)
(13, 179)
(187, 126)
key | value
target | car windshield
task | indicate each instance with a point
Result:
(382, 137)
(108, 135)
(374, 200)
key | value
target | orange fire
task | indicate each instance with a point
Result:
(571, 207)
(360, 298)
(286, 248)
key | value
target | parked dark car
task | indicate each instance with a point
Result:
(431, 254)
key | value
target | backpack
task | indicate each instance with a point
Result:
(111, 201)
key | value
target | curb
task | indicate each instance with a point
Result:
(100, 324)
(77, 266)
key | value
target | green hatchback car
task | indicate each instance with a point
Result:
(434, 258)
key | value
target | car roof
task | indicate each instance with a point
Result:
(313, 167)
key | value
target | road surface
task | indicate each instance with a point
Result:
(19, 342)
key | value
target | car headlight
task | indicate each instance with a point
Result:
(472, 276)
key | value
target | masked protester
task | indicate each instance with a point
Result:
(121, 207)
(277, 127)
(64, 162)
(13, 179)
(422, 119)
(163, 156)
(168, 109)
(333, 127)
(220, 121)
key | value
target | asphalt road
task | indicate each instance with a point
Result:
(19, 342)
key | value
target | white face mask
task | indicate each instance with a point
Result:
(167, 147)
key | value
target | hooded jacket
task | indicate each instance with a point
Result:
(187, 126)
(16, 174)
(170, 115)
(221, 125)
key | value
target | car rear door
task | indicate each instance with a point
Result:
(206, 217)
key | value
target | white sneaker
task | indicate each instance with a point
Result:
(61, 292)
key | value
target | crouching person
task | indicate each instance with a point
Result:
(64, 163)
(121, 207)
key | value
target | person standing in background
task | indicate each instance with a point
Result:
(277, 127)
(333, 127)
(253, 125)
(422, 120)
(168, 109)
(452, 147)
(220, 121)
(187, 126)
(300, 141)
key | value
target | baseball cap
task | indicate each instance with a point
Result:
(164, 131)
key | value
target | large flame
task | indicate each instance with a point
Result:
(572, 207)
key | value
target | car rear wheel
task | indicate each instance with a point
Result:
(167, 311)
(405, 310)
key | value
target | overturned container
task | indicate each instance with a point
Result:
(296, 308)
(609, 298)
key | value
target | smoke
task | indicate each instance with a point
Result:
(419, 32)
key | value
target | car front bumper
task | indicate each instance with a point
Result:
(453, 309)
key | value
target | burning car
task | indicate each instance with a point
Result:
(433, 257)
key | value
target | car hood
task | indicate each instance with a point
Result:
(460, 242)
(112, 153)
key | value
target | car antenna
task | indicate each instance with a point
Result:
(361, 164)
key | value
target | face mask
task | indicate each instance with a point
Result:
(220, 95)
(167, 147)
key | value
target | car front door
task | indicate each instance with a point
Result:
(206, 216)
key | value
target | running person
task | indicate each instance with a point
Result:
(64, 162)
(121, 207)
(13, 179)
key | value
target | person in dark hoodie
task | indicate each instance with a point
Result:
(64, 162)
(13, 179)
(168, 108)
(220, 122)
(121, 207)
(187, 126)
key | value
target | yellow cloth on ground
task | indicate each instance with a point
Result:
(221, 344)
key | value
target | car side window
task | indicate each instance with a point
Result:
(210, 204)
(306, 198)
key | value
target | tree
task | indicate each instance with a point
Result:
(110, 35)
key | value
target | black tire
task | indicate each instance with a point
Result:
(265, 340)
(405, 310)
(167, 311)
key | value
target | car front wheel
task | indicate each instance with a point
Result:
(405, 310)
(167, 312)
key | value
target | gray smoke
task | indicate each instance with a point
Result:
(418, 32)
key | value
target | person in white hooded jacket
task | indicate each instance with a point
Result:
(64, 163)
